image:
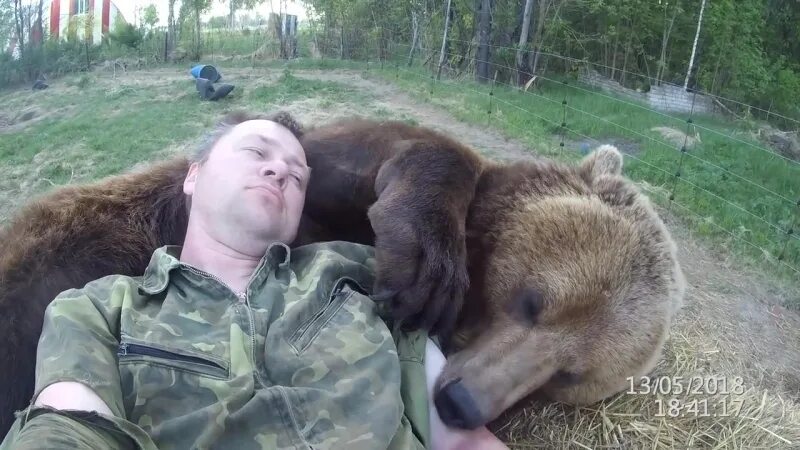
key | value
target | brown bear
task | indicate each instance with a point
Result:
(567, 277)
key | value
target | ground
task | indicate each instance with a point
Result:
(734, 322)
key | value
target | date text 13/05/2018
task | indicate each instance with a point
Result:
(694, 385)
(723, 407)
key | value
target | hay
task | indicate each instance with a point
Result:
(749, 417)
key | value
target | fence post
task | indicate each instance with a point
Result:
(790, 231)
(491, 96)
(563, 129)
(88, 61)
(689, 126)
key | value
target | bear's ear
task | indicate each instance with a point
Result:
(605, 160)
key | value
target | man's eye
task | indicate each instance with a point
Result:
(256, 151)
(297, 178)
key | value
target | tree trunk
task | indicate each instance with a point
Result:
(444, 40)
(521, 59)
(484, 34)
(537, 37)
(341, 43)
(614, 56)
(39, 23)
(694, 46)
(415, 35)
(198, 31)
(664, 42)
(625, 59)
(232, 14)
(18, 20)
(171, 38)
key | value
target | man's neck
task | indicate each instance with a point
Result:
(224, 261)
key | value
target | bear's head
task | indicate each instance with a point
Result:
(574, 281)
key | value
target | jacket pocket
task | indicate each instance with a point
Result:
(306, 332)
(133, 352)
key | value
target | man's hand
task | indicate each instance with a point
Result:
(442, 437)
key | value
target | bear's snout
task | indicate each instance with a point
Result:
(456, 406)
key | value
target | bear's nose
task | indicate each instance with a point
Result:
(457, 407)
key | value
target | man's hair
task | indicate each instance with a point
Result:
(282, 118)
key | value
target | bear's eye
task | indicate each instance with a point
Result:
(526, 305)
(563, 378)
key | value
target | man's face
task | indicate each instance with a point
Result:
(252, 185)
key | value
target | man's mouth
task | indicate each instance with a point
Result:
(272, 192)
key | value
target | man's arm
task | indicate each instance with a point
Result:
(78, 399)
(443, 437)
(72, 395)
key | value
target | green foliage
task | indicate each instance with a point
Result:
(6, 21)
(150, 16)
(217, 22)
(126, 34)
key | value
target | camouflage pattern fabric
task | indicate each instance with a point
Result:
(301, 360)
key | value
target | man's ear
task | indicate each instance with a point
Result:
(191, 179)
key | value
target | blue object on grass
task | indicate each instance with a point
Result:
(206, 71)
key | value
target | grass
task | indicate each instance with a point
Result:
(89, 126)
(727, 184)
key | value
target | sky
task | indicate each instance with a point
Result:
(219, 8)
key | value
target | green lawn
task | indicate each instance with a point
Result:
(87, 126)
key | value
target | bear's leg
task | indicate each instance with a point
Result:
(424, 192)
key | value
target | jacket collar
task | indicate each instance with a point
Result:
(166, 258)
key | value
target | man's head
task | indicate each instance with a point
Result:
(248, 181)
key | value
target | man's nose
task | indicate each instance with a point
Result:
(276, 171)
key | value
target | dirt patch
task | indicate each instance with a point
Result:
(786, 143)
(491, 142)
(15, 122)
(738, 317)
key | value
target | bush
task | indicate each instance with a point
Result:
(126, 34)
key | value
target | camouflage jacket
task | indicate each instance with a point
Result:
(301, 360)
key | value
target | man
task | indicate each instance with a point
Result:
(233, 340)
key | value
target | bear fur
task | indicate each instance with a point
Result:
(542, 277)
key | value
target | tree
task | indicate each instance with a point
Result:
(484, 20)
(7, 24)
(694, 46)
(193, 9)
(171, 28)
(521, 62)
(150, 16)
(444, 40)
(236, 5)
(20, 31)
(668, 24)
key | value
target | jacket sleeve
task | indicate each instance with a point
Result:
(79, 341)
(46, 428)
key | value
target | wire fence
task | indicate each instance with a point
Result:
(703, 166)
(726, 184)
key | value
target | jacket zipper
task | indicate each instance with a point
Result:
(126, 349)
(243, 299)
